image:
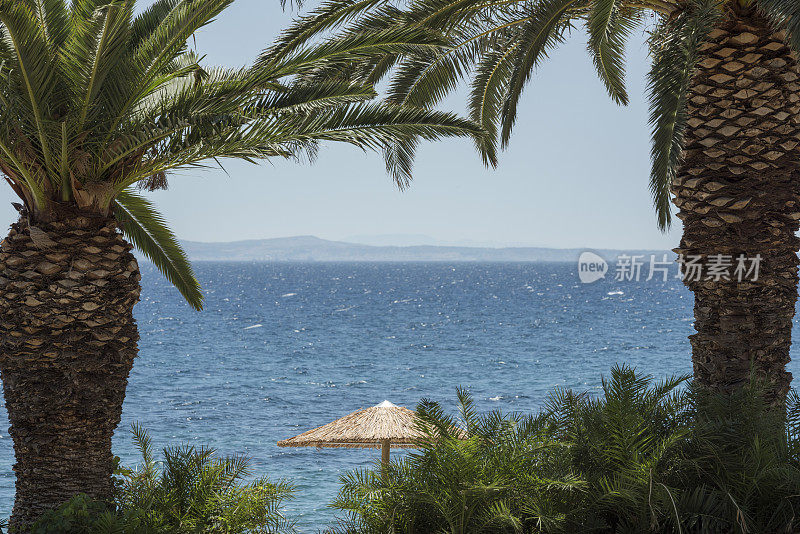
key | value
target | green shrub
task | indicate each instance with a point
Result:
(643, 456)
(194, 491)
(190, 490)
(626, 445)
(741, 467)
(82, 515)
(476, 473)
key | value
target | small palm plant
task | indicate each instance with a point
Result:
(193, 490)
(189, 490)
(723, 89)
(626, 444)
(742, 464)
(97, 104)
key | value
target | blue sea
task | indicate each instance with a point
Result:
(284, 347)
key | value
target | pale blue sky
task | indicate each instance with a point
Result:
(575, 174)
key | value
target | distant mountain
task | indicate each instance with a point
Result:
(392, 240)
(414, 240)
(310, 248)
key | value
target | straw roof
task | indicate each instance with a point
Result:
(365, 428)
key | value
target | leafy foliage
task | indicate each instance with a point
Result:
(96, 100)
(742, 464)
(609, 25)
(496, 46)
(785, 14)
(148, 231)
(82, 515)
(190, 490)
(194, 490)
(640, 456)
(674, 47)
(643, 456)
(472, 474)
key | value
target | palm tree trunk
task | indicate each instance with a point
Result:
(739, 196)
(67, 343)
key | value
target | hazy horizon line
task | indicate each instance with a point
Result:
(437, 244)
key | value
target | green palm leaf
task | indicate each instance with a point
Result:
(488, 93)
(425, 79)
(34, 79)
(300, 98)
(675, 54)
(342, 52)
(546, 28)
(54, 17)
(148, 231)
(329, 15)
(393, 129)
(609, 27)
(785, 14)
(495, 44)
(146, 23)
(93, 50)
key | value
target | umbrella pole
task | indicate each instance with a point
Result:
(385, 452)
(385, 446)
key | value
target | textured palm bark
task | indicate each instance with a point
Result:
(67, 343)
(739, 194)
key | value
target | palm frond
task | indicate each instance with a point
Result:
(95, 99)
(675, 51)
(394, 129)
(425, 79)
(489, 88)
(609, 25)
(786, 15)
(343, 51)
(303, 98)
(146, 23)
(169, 37)
(399, 160)
(375, 126)
(158, 50)
(547, 25)
(143, 443)
(54, 17)
(147, 230)
(92, 50)
(329, 15)
(193, 489)
(33, 78)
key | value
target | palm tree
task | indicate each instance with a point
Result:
(724, 102)
(96, 104)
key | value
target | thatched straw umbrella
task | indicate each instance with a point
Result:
(382, 426)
